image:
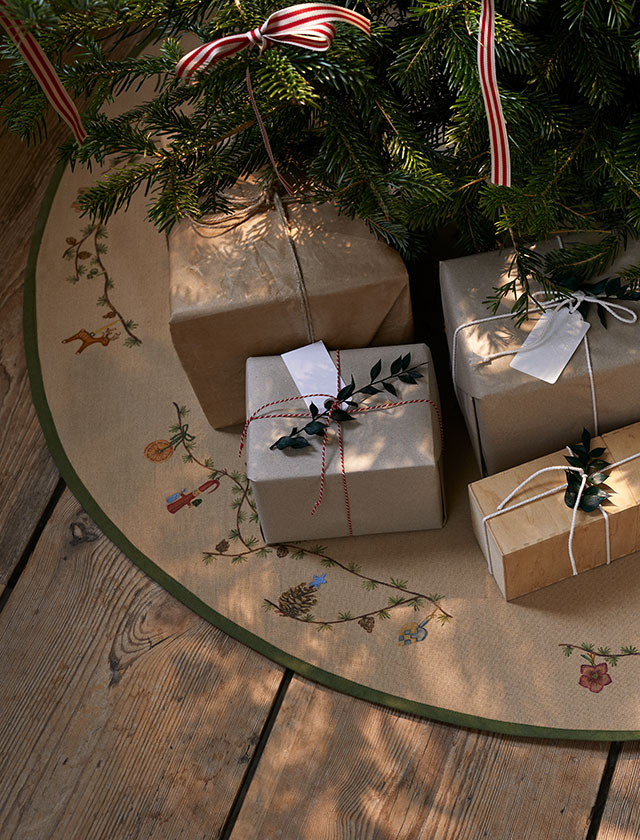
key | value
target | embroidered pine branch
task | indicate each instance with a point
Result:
(240, 483)
(592, 654)
(298, 601)
(81, 257)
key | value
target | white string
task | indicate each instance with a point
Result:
(606, 533)
(501, 509)
(583, 484)
(592, 386)
(454, 348)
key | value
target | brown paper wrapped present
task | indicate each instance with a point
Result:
(511, 416)
(392, 457)
(527, 548)
(276, 280)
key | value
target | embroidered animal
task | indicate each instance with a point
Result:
(86, 338)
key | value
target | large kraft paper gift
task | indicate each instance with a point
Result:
(280, 278)
(511, 416)
(527, 548)
(392, 457)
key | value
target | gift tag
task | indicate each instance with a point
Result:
(312, 369)
(550, 345)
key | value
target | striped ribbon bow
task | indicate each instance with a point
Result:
(500, 160)
(43, 71)
(307, 25)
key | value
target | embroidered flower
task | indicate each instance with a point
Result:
(594, 677)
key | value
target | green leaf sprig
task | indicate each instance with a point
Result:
(400, 369)
(590, 460)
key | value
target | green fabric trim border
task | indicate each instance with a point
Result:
(187, 597)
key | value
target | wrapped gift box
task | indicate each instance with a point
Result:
(392, 457)
(511, 416)
(528, 548)
(235, 293)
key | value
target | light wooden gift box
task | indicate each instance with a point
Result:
(528, 548)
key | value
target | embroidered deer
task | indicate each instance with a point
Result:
(86, 338)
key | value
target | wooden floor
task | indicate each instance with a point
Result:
(124, 715)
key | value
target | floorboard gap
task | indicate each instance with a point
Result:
(238, 802)
(33, 541)
(603, 791)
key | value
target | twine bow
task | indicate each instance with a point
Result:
(43, 71)
(335, 404)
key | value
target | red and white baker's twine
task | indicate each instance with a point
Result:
(500, 158)
(257, 415)
(43, 71)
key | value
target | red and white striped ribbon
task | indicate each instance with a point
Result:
(43, 71)
(307, 25)
(500, 160)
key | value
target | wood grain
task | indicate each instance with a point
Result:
(27, 472)
(122, 714)
(335, 768)
(621, 815)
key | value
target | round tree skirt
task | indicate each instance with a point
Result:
(129, 437)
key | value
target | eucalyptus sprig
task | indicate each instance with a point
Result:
(590, 461)
(400, 369)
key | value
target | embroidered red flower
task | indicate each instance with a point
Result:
(594, 677)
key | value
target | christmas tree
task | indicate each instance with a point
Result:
(392, 127)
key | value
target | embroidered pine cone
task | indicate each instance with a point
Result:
(282, 551)
(222, 547)
(368, 622)
(298, 600)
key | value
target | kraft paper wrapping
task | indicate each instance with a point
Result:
(236, 295)
(513, 417)
(528, 547)
(392, 457)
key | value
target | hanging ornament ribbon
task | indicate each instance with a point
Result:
(43, 71)
(498, 138)
(307, 25)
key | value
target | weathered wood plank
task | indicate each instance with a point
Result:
(122, 714)
(621, 815)
(27, 472)
(335, 768)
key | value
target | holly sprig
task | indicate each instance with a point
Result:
(399, 369)
(590, 461)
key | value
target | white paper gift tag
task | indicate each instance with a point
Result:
(550, 345)
(312, 369)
